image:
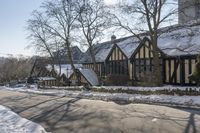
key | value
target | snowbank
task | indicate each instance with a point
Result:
(120, 97)
(153, 98)
(10, 122)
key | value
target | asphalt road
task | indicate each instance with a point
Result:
(73, 115)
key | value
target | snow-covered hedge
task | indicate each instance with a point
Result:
(167, 90)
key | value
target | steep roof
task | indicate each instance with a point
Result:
(180, 40)
(90, 76)
(173, 40)
(102, 50)
(128, 45)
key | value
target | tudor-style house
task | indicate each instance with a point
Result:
(179, 45)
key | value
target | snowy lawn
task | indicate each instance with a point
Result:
(10, 122)
(119, 97)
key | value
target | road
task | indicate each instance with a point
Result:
(73, 115)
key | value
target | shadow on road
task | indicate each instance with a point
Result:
(68, 115)
(191, 124)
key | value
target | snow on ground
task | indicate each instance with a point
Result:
(166, 99)
(10, 122)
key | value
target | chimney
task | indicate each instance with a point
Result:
(113, 37)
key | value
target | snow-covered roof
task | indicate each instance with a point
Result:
(90, 76)
(174, 40)
(66, 69)
(128, 45)
(101, 51)
(180, 40)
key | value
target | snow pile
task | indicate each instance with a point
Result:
(121, 97)
(10, 122)
(165, 99)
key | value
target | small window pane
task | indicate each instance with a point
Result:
(147, 62)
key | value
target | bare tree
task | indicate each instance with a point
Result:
(148, 16)
(59, 20)
(14, 69)
(93, 19)
(44, 42)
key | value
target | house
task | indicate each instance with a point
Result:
(179, 45)
(39, 69)
(63, 71)
(47, 81)
(62, 55)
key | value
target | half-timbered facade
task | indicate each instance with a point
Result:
(142, 61)
(178, 69)
(117, 62)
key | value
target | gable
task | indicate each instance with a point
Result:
(144, 51)
(116, 54)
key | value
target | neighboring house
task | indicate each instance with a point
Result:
(39, 69)
(62, 55)
(64, 71)
(47, 81)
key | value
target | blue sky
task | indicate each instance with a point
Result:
(13, 17)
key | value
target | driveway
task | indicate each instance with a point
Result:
(74, 115)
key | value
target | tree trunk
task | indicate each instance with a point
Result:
(94, 62)
(157, 73)
(69, 53)
(93, 59)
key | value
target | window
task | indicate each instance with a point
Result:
(142, 66)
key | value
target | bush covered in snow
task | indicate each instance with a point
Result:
(167, 90)
(150, 90)
(116, 79)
